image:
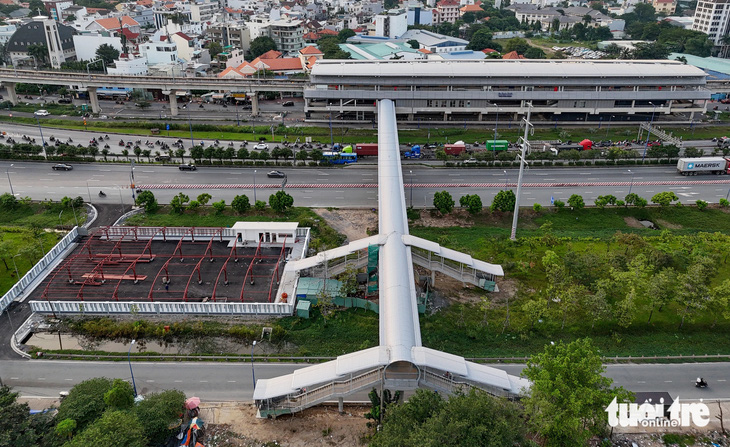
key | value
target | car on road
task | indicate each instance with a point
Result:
(275, 174)
(288, 103)
(471, 161)
(62, 167)
(42, 112)
(261, 146)
(65, 101)
(187, 167)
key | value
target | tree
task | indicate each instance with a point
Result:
(147, 200)
(692, 152)
(661, 290)
(241, 204)
(664, 198)
(567, 400)
(516, 44)
(504, 201)
(428, 420)
(219, 206)
(120, 396)
(413, 43)
(693, 288)
(261, 45)
(39, 52)
(204, 198)
(66, 428)
(107, 53)
(329, 45)
(576, 201)
(472, 202)
(157, 411)
(535, 53)
(113, 428)
(20, 428)
(280, 201)
(85, 401)
(443, 202)
(345, 34)
(8, 201)
(178, 203)
(482, 39)
(215, 48)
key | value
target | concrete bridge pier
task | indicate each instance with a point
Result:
(172, 94)
(255, 104)
(94, 100)
(10, 87)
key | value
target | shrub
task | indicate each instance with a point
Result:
(619, 203)
(664, 198)
(280, 201)
(241, 204)
(219, 207)
(147, 201)
(504, 201)
(85, 401)
(178, 203)
(576, 201)
(537, 207)
(559, 204)
(701, 205)
(724, 203)
(443, 202)
(260, 205)
(8, 201)
(472, 202)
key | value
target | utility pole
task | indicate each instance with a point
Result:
(513, 236)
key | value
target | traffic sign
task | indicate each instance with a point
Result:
(167, 126)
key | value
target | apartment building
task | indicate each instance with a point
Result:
(712, 17)
(288, 35)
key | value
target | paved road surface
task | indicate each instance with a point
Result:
(233, 382)
(39, 181)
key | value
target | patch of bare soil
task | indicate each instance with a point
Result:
(456, 291)
(456, 218)
(353, 223)
(235, 425)
(669, 225)
(633, 222)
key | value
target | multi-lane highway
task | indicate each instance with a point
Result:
(352, 186)
(233, 382)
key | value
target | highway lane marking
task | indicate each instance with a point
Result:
(721, 380)
(667, 381)
(41, 378)
(339, 197)
(150, 171)
(68, 380)
(178, 381)
(150, 381)
(641, 381)
(203, 381)
(105, 170)
(307, 197)
(231, 381)
(14, 378)
(585, 173)
(322, 173)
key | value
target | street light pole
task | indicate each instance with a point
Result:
(129, 360)
(12, 328)
(17, 275)
(411, 175)
(631, 185)
(254, 186)
(43, 140)
(131, 181)
(7, 172)
(513, 236)
(253, 373)
(609, 125)
(496, 123)
(190, 123)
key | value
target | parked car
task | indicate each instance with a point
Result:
(275, 174)
(187, 167)
(42, 112)
(288, 103)
(261, 146)
(62, 167)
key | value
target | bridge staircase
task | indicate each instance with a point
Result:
(666, 137)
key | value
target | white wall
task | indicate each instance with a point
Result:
(87, 44)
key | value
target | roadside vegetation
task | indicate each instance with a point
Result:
(29, 229)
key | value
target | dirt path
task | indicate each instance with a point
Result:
(354, 224)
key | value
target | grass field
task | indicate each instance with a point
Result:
(419, 133)
(28, 231)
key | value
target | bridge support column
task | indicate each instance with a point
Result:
(172, 94)
(341, 404)
(93, 99)
(255, 104)
(433, 277)
(10, 87)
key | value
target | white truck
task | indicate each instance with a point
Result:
(704, 165)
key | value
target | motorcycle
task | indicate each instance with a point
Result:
(106, 146)
(121, 142)
(102, 194)
(700, 383)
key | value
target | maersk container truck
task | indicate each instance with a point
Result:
(704, 165)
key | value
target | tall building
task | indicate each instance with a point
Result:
(392, 24)
(712, 17)
(288, 35)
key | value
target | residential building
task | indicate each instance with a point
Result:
(664, 6)
(392, 24)
(288, 35)
(447, 11)
(712, 17)
(129, 66)
(203, 10)
(57, 38)
(55, 8)
(73, 11)
(381, 51)
(452, 90)
(230, 34)
(6, 32)
(114, 25)
(419, 15)
(159, 52)
(187, 47)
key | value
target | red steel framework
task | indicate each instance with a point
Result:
(114, 262)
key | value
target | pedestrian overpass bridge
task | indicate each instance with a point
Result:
(400, 361)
